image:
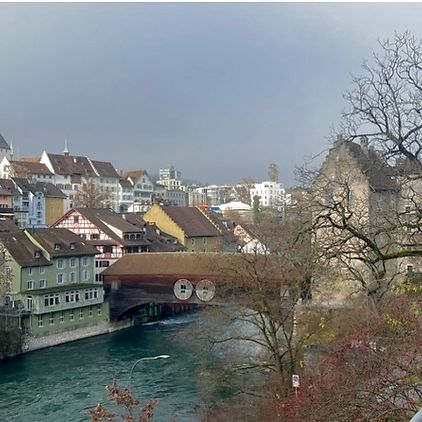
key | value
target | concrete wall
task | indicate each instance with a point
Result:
(102, 327)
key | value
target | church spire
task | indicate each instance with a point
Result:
(66, 147)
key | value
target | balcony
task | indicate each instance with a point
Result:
(38, 306)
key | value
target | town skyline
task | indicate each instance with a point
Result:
(219, 91)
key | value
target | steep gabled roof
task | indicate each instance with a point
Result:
(372, 166)
(70, 244)
(7, 225)
(67, 165)
(104, 169)
(3, 143)
(103, 218)
(30, 167)
(191, 221)
(125, 183)
(49, 190)
(8, 187)
(24, 184)
(22, 249)
(135, 175)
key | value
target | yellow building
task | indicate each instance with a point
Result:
(191, 228)
(54, 208)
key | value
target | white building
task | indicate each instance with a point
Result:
(270, 194)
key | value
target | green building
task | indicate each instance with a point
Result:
(49, 274)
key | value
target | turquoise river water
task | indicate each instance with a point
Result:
(61, 383)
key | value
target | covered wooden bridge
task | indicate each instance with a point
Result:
(179, 278)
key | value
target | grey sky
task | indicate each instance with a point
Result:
(217, 90)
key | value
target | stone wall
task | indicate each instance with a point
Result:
(102, 327)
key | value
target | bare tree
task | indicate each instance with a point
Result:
(385, 101)
(90, 195)
(257, 333)
(242, 191)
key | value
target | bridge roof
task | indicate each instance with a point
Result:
(223, 266)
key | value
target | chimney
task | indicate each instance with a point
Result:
(364, 143)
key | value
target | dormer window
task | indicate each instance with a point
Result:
(37, 254)
(72, 245)
(57, 246)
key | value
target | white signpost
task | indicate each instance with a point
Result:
(295, 383)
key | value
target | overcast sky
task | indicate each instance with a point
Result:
(218, 90)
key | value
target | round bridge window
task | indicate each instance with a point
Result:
(183, 289)
(205, 290)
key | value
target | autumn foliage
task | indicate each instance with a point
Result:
(123, 398)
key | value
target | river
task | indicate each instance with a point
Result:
(61, 383)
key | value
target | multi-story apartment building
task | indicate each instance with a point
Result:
(142, 190)
(216, 195)
(111, 234)
(171, 179)
(50, 277)
(41, 203)
(271, 194)
(165, 196)
(126, 195)
(27, 168)
(75, 174)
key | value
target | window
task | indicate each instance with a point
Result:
(192, 241)
(43, 284)
(102, 264)
(71, 315)
(90, 312)
(99, 309)
(42, 270)
(60, 263)
(85, 261)
(51, 318)
(29, 271)
(81, 313)
(72, 262)
(409, 268)
(85, 275)
(205, 240)
(72, 245)
(29, 303)
(51, 300)
(107, 249)
(60, 278)
(76, 219)
(61, 317)
(72, 277)
(56, 246)
(40, 320)
(30, 285)
(99, 278)
(95, 236)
